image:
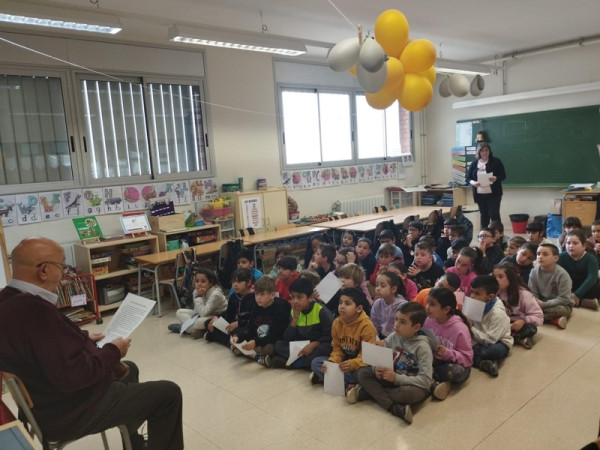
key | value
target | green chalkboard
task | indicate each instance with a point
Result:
(546, 148)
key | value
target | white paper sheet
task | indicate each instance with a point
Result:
(473, 309)
(328, 287)
(334, 379)
(188, 323)
(295, 348)
(128, 317)
(239, 345)
(484, 178)
(221, 324)
(377, 356)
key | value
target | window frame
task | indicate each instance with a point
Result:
(144, 81)
(353, 92)
(71, 129)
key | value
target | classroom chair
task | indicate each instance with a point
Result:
(21, 397)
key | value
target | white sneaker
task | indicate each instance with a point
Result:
(441, 390)
(590, 303)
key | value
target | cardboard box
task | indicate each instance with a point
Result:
(167, 223)
(585, 210)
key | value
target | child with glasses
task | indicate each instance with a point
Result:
(492, 253)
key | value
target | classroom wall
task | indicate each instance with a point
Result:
(560, 68)
(242, 117)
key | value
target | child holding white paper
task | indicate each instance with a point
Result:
(348, 331)
(268, 319)
(309, 321)
(208, 301)
(390, 292)
(521, 305)
(453, 356)
(410, 380)
(238, 308)
(350, 275)
(492, 338)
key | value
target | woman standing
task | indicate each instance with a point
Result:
(487, 195)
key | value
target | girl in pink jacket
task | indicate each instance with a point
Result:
(454, 355)
(521, 305)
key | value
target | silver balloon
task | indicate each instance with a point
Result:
(371, 82)
(344, 54)
(477, 86)
(371, 55)
(444, 89)
(458, 84)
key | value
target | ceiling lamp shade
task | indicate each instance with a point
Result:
(24, 14)
(257, 42)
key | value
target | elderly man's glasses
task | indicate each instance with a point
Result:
(64, 267)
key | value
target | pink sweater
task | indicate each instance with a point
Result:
(454, 335)
(465, 281)
(527, 308)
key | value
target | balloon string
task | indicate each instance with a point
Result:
(342, 14)
(72, 64)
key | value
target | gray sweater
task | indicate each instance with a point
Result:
(413, 360)
(553, 288)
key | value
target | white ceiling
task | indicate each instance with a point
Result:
(466, 30)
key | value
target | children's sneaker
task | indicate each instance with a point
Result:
(349, 387)
(278, 362)
(489, 366)
(441, 390)
(314, 378)
(590, 303)
(263, 360)
(235, 350)
(197, 334)
(402, 411)
(356, 394)
(175, 327)
(560, 322)
(527, 342)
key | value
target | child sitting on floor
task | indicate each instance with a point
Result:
(582, 267)
(287, 273)
(385, 258)
(523, 260)
(463, 268)
(266, 323)
(453, 357)
(492, 339)
(208, 301)
(310, 321)
(514, 244)
(521, 306)
(348, 331)
(323, 260)
(390, 294)
(551, 285)
(423, 271)
(365, 258)
(238, 308)
(410, 380)
(409, 285)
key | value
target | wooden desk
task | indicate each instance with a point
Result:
(342, 224)
(153, 263)
(282, 235)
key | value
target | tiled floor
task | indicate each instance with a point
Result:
(547, 397)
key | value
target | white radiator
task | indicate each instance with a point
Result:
(364, 205)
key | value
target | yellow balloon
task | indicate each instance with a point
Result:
(391, 31)
(429, 74)
(418, 56)
(415, 93)
(352, 70)
(381, 99)
(395, 74)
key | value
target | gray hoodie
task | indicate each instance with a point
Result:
(413, 359)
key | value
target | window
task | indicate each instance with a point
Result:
(34, 146)
(124, 120)
(329, 127)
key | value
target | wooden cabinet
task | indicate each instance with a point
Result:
(112, 262)
(582, 204)
(171, 240)
(262, 210)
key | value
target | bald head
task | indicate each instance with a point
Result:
(28, 255)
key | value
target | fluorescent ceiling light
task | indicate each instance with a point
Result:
(257, 42)
(464, 68)
(68, 19)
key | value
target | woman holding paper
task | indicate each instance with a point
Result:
(485, 175)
